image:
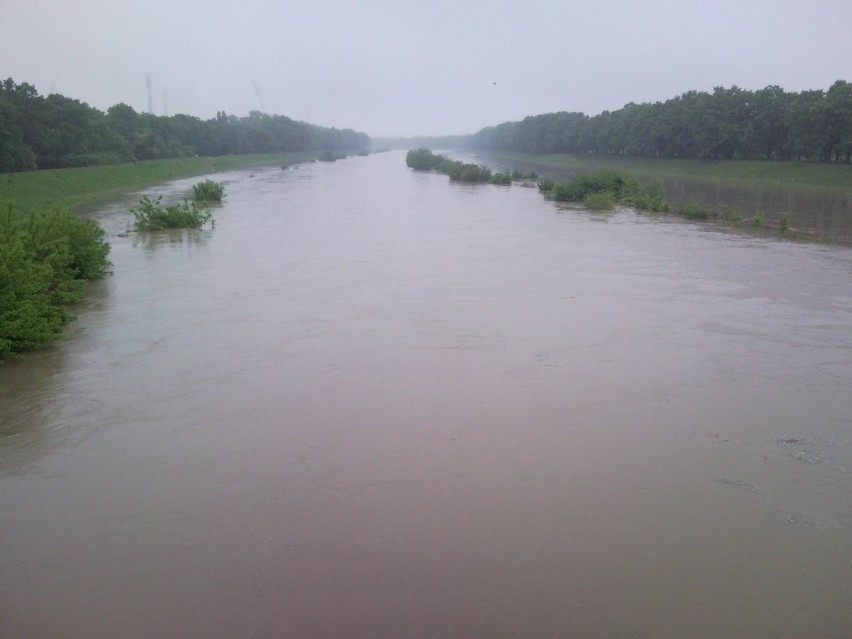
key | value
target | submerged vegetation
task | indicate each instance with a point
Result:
(425, 160)
(692, 210)
(150, 216)
(208, 191)
(597, 190)
(331, 156)
(603, 189)
(46, 258)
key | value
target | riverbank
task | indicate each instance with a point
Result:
(82, 188)
(796, 174)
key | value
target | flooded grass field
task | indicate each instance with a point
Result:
(371, 403)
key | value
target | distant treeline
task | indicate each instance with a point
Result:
(727, 124)
(38, 132)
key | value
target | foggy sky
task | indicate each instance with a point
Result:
(425, 67)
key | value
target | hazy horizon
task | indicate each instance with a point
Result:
(401, 70)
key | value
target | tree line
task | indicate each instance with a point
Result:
(54, 131)
(732, 123)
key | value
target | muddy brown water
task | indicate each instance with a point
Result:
(375, 404)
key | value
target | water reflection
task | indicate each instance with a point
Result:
(150, 241)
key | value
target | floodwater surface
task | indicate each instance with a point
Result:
(371, 403)
(820, 213)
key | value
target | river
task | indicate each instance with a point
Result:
(372, 403)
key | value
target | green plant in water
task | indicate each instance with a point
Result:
(503, 178)
(208, 191)
(733, 216)
(45, 260)
(620, 187)
(331, 156)
(423, 159)
(546, 185)
(150, 216)
(520, 175)
(693, 211)
(599, 201)
(757, 219)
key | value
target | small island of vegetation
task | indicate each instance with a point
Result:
(602, 190)
(151, 216)
(426, 160)
(208, 191)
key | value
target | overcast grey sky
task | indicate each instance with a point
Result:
(395, 67)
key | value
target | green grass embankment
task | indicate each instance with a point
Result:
(796, 174)
(81, 188)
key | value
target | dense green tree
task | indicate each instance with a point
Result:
(838, 121)
(54, 132)
(732, 123)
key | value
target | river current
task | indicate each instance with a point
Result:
(372, 403)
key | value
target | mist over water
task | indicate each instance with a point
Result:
(374, 403)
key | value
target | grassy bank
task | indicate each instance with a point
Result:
(88, 186)
(799, 174)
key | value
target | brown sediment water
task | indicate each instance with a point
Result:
(375, 403)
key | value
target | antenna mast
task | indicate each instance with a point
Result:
(150, 97)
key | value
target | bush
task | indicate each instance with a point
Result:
(622, 187)
(546, 185)
(45, 260)
(520, 175)
(733, 216)
(208, 191)
(472, 173)
(599, 201)
(648, 196)
(693, 211)
(784, 223)
(423, 159)
(331, 156)
(150, 216)
(619, 185)
(503, 178)
(757, 219)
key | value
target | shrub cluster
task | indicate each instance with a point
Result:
(603, 189)
(546, 185)
(208, 191)
(599, 201)
(692, 210)
(45, 260)
(150, 216)
(331, 156)
(503, 178)
(462, 172)
(425, 160)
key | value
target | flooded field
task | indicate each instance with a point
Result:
(371, 403)
(816, 212)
